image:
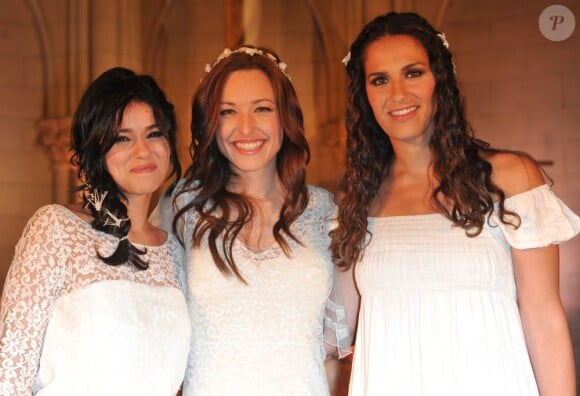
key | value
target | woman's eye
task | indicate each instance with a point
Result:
(121, 138)
(156, 134)
(225, 112)
(415, 73)
(263, 109)
(380, 80)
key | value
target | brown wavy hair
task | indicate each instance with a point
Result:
(222, 213)
(458, 158)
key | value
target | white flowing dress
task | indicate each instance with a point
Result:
(72, 325)
(264, 337)
(438, 313)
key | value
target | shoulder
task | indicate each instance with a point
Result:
(176, 197)
(184, 192)
(320, 193)
(321, 201)
(320, 197)
(79, 211)
(515, 173)
(48, 216)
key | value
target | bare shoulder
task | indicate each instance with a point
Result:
(515, 173)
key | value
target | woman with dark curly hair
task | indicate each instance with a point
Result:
(257, 262)
(94, 302)
(452, 241)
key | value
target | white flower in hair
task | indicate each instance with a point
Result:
(443, 40)
(225, 53)
(96, 199)
(346, 59)
(252, 52)
(113, 220)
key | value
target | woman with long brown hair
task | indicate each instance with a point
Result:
(258, 267)
(452, 241)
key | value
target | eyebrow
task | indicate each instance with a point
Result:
(253, 102)
(406, 67)
(152, 126)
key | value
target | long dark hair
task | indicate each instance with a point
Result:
(210, 172)
(464, 175)
(95, 128)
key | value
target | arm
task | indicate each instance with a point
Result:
(537, 279)
(351, 299)
(544, 320)
(33, 282)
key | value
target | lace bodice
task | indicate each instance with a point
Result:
(264, 337)
(57, 283)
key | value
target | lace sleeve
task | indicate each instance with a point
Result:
(336, 333)
(33, 283)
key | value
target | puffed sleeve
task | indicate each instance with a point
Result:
(34, 281)
(336, 331)
(545, 219)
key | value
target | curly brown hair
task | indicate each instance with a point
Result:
(464, 175)
(223, 213)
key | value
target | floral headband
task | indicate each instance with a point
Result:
(250, 51)
(441, 36)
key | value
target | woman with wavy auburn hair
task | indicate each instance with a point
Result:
(452, 242)
(259, 270)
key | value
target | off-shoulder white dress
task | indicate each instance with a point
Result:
(72, 325)
(439, 313)
(264, 337)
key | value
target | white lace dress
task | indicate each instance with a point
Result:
(266, 337)
(438, 311)
(73, 325)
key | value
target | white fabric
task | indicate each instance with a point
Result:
(72, 325)
(438, 312)
(266, 337)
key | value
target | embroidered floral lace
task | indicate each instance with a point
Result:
(57, 283)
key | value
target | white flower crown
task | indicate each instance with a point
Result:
(441, 36)
(250, 51)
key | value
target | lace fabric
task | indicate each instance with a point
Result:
(276, 323)
(55, 261)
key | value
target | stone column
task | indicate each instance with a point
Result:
(234, 32)
(54, 137)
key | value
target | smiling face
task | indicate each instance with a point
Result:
(138, 161)
(250, 134)
(400, 86)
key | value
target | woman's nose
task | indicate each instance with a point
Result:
(397, 90)
(141, 148)
(245, 123)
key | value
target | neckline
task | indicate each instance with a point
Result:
(88, 226)
(521, 195)
(274, 246)
(415, 216)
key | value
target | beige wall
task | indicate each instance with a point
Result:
(522, 90)
(25, 175)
